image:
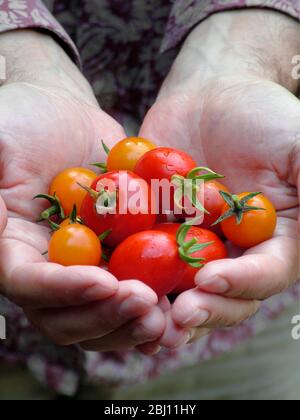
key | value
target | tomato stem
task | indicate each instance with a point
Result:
(209, 174)
(54, 210)
(237, 207)
(186, 248)
(187, 187)
(104, 235)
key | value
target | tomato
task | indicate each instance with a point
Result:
(65, 192)
(215, 251)
(160, 164)
(248, 219)
(122, 213)
(125, 154)
(212, 202)
(163, 163)
(157, 258)
(75, 244)
(151, 257)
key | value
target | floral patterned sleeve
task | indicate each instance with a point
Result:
(33, 14)
(186, 14)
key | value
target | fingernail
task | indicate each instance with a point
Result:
(98, 291)
(155, 351)
(134, 306)
(198, 318)
(140, 334)
(214, 285)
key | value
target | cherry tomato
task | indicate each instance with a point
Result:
(75, 244)
(163, 163)
(215, 251)
(65, 186)
(151, 257)
(212, 202)
(111, 205)
(160, 164)
(125, 154)
(68, 222)
(255, 226)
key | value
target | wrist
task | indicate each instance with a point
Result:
(249, 43)
(36, 58)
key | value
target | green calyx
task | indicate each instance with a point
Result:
(73, 219)
(104, 235)
(104, 200)
(189, 187)
(187, 248)
(237, 207)
(55, 208)
(100, 165)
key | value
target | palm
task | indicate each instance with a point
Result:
(50, 133)
(42, 132)
(247, 131)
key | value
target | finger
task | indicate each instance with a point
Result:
(152, 348)
(149, 349)
(72, 325)
(174, 335)
(194, 309)
(164, 304)
(262, 272)
(3, 216)
(146, 329)
(197, 333)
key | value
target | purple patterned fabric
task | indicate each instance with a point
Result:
(119, 42)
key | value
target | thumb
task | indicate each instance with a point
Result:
(170, 121)
(3, 215)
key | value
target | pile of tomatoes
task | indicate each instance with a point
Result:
(97, 221)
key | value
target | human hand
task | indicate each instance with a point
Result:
(50, 120)
(230, 106)
(3, 216)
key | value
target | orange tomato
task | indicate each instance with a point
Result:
(66, 187)
(125, 154)
(68, 222)
(75, 244)
(256, 226)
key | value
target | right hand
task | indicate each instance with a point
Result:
(50, 120)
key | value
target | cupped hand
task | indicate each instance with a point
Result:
(247, 128)
(47, 124)
(3, 216)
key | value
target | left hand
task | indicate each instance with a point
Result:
(245, 125)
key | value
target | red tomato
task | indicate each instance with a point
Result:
(160, 164)
(213, 252)
(113, 204)
(257, 225)
(212, 202)
(163, 163)
(151, 257)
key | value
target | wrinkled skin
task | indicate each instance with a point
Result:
(3, 215)
(248, 128)
(48, 124)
